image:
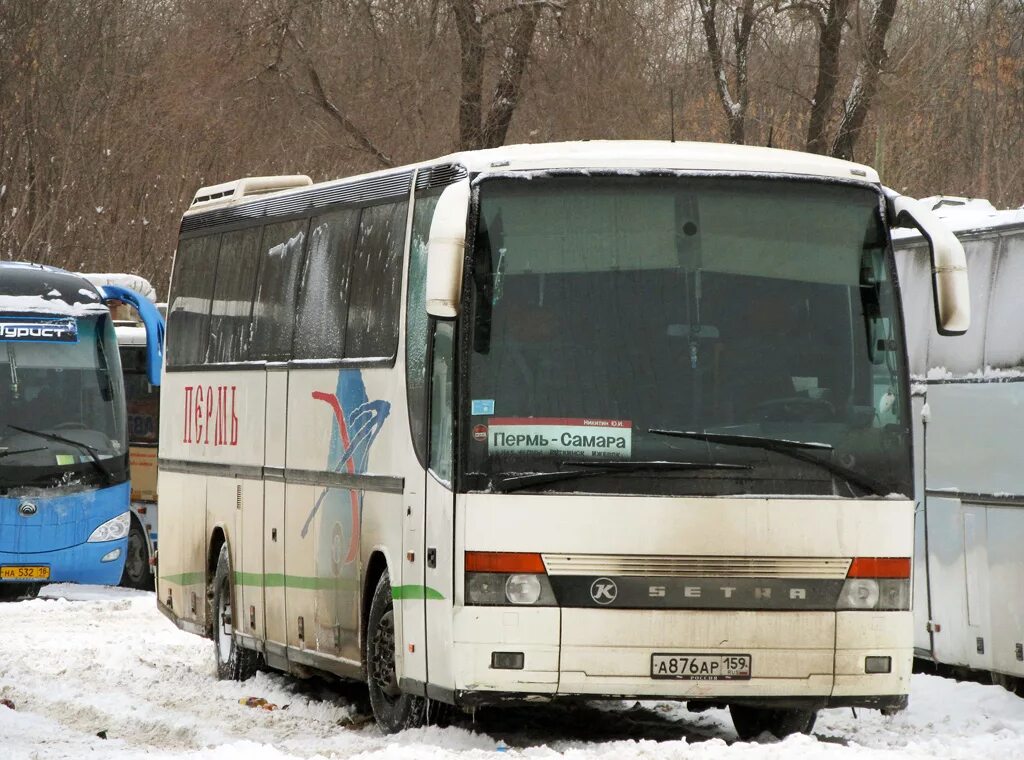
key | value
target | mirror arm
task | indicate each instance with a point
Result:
(150, 318)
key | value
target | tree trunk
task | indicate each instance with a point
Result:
(508, 89)
(735, 108)
(469, 23)
(830, 37)
(865, 83)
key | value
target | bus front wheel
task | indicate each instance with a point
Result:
(233, 661)
(393, 709)
(137, 573)
(751, 722)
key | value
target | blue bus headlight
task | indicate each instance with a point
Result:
(113, 529)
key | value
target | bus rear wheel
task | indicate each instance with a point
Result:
(393, 709)
(751, 722)
(137, 573)
(234, 662)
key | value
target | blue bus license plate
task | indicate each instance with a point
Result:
(24, 573)
(701, 667)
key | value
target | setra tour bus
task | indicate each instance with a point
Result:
(968, 411)
(598, 419)
(64, 491)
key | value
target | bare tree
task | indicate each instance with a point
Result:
(865, 82)
(830, 19)
(735, 99)
(487, 126)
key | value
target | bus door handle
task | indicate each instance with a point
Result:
(431, 557)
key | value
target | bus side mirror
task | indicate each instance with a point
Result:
(949, 265)
(151, 319)
(446, 250)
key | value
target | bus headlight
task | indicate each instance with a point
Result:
(112, 530)
(876, 583)
(507, 578)
(875, 594)
(859, 594)
(509, 589)
(522, 589)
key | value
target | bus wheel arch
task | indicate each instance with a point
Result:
(137, 571)
(234, 662)
(217, 540)
(375, 568)
(393, 709)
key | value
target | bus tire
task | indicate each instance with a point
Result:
(751, 722)
(393, 709)
(234, 662)
(137, 572)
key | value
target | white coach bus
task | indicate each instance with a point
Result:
(595, 420)
(969, 408)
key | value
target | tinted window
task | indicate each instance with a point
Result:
(323, 302)
(188, 314)
(273, 314)
(417, 322)
(376, 281)
(232, 297)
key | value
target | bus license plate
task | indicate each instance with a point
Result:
(701, 667)
(24, 573)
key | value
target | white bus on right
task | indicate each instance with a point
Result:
(968, 402)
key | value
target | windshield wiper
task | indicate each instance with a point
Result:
(107, 474)
(593, 469)
(10, 452)
(794, 449)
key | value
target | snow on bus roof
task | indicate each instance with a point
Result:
(134, 282)
(965, 215)
(601, 155)
(38, 289)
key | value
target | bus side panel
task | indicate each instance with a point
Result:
(249, 577)
(271, 543)
(1006, 576)
(947, 566)
(274, 560)
(347, 430)
(183, 547)
(919, 577)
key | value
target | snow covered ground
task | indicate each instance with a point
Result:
(86, 662)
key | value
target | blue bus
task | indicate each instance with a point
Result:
(64, 473)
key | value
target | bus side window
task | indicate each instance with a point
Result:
(372, 331)
(324, 294)
(273, 313)
(417, 323)
(231, 312)
(192, 288)
(442, 414)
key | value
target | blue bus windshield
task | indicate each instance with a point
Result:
(62, 418)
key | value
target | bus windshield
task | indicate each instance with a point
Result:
(683, 336)
(62, 418)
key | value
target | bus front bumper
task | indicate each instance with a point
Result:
(100, 563)
(805, 659)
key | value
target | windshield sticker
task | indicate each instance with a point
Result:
(480, 433)
(483, 406)
(561, 436)
(39, 330)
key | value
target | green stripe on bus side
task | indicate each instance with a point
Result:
(279, 580)
(415, 592)
(185, 579)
